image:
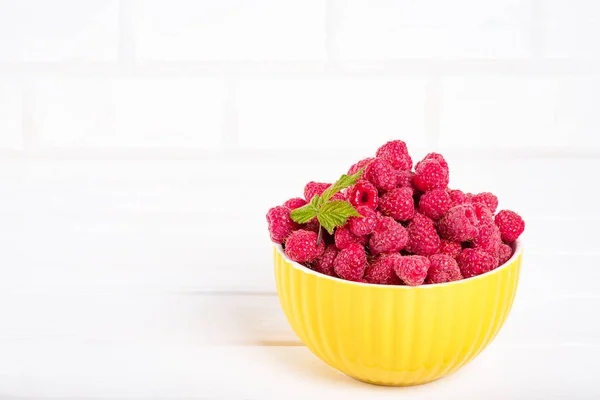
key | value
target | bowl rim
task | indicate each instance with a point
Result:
(518, 251)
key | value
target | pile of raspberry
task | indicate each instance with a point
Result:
(413, 228)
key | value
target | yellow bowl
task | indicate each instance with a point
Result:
(395, 335)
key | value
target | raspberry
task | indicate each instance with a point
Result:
(294, 203)
(404, 178)
(389, 236)
(443, 268)
(313, 188)
(450, 248)
(381, 174)
(483, 214)
(351, 262)
(458, 197)
(488, 239)
(280, 223)
(459, 223)
(504, 253)
(473, 262)
(429, 174)
(422, 236)
(382, 271)
(301, 246)
(511, 225)
(324, 264)
(364, 225)
(398, 204)
(363, 194)
(435, 203)
(412, 269)
(487, 198)
(339, 196)
(396, 153)
(344, 238)
(437, 157)
(356, 167)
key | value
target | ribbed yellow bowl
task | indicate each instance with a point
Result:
(395, 335)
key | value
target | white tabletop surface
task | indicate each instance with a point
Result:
(135, 343)
(108, 290)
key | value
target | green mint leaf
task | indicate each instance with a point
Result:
(307, 212)
(335, 213)
(342, 183)
(315, 201)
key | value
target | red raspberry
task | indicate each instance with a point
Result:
(412, 269)
(356, 167)
(483, 214)
(381, 174)
(459, 224)
(324, 264)
(363, 194)
(404, 178)
(351, 262)
(511, 225)
(422, 236)
(437, 157)
(398, 204)
(313, 188)
(389, 236)
(458, 197)
(396, 153)
(488, 239)
(344, 238)
(280, 223)
(473, 262)
(450, 248)
(435, 203)
(294, 203)
(429, 174)
(487, 198)
(504, 253)
(339, 196)
(443, 268)
(301, 246)
(382, 271)
(364, 225)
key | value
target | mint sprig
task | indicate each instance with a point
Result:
(335, 213)
(329, 213)
(307, 212)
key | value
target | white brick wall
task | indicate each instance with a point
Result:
(332, 113)
(59, 30)
(571, 28)
(139, 134)
(229, 30)
(10, 114)
(131, 112)
(507, 112)
(255, 75)
(385, 29)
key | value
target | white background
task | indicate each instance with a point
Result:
(142, 142)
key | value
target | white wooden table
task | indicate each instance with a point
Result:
(169, 345)
(118, 285)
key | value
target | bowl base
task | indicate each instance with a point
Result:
(391, 384)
